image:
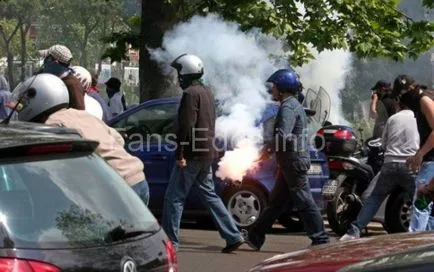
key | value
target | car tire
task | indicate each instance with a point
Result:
(398, 212)
(245, 204)
(338, 214)
(291, 221)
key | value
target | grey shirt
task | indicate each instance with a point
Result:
(400, 137)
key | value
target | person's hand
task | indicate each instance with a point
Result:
(414, 162)
(181, 163)
(422, 190)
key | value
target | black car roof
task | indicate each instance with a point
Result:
(17, 134)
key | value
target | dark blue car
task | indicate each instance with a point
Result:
(147, 128)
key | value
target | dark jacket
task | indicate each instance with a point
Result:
(76, 92)
(196, 124)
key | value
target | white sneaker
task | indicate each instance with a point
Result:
(348, 237)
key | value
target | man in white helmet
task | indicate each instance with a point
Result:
(195, 154)
(44, 98)
(94, 103)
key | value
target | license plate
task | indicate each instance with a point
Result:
(315, 169)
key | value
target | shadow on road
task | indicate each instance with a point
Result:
(373, 230)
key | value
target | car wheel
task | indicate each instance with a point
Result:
(291, 221)
(398, 212)
(245, 204)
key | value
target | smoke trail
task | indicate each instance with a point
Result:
(236, 66)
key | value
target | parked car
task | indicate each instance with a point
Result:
(62, 208)
(391, 253)
(148, 127)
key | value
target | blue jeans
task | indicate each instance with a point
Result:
(393, 175)
(198, 174)
(142, 190)
(420, 218)
(291, 189)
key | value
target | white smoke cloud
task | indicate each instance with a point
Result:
(236, 66)
(328, 70)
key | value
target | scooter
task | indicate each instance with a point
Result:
(349, 178)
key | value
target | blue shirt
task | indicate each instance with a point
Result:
(291, 135)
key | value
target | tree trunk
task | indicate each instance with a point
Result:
(103, 47)
(157, 17)
(23, 32)
(83, 57)
(10, 59)
(9, 54)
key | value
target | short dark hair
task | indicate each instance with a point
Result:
(113, 83)
(402, 84)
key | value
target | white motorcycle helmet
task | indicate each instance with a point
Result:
(83, 75)
(189, 68)
(40, 94)
(90, 104)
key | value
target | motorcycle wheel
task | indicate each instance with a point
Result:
(341, 212)
(398, 212)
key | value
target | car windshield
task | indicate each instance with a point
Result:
(66, 202)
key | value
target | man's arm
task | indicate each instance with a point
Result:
(288, 116)
(373, 106)
(187, 117)
(76, 92)
(427, 106)
(286, 119)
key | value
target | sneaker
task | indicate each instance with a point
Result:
(348, 237)
(233, 247)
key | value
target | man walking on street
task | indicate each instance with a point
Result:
(291, 146)
(401, 141)
(195, 154)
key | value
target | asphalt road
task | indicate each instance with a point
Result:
(200, 249)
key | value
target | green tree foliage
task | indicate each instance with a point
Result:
(80, 25)
(366, 72)
(369, 28)
(16, 19)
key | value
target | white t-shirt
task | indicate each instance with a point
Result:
(115, 104)
(93, 107)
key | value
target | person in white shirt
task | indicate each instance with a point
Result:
(401, 141)
(116, 102)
